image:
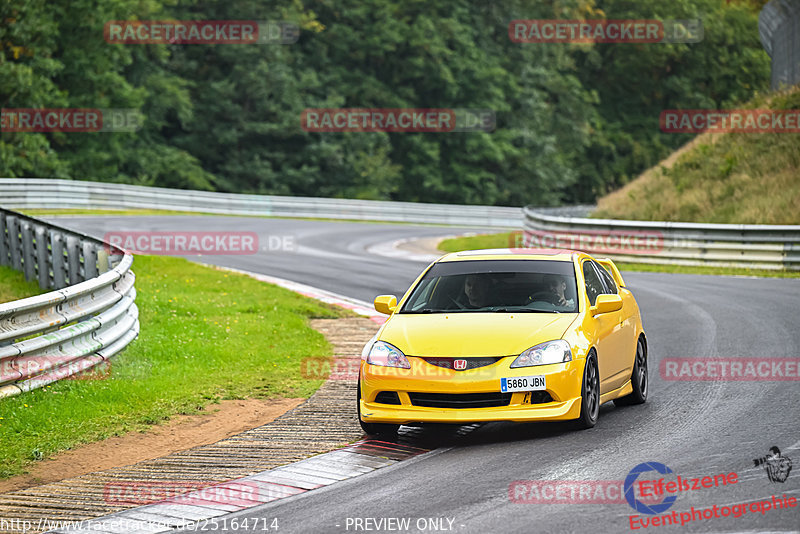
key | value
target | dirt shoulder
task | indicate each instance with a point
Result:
(182, 432)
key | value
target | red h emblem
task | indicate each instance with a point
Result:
(459, 365)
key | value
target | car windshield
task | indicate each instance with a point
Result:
(487, 286)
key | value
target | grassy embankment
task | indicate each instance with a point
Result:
(744, 178)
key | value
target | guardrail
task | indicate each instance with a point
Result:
(88, 319)
(722, 245)
(39, 193)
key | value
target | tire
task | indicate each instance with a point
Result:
(374, 429)
(639, 378)
(590, 394)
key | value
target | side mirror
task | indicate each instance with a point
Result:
(387, 304)
(606, 303)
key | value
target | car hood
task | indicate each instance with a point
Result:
(473, 334)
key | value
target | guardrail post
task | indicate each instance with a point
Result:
(4, 258)
(103, 260)
(14, 243)
(28, 257)
(791, 256)
(73, 259)
(42, 265)
(89, 260)
(59, 262)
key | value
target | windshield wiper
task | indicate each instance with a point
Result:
(508, 309)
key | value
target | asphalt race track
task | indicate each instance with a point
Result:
(701, 428)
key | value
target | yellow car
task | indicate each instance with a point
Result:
(504, 335)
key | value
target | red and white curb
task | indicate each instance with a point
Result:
(391, 250)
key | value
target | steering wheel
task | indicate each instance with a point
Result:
(457, 303)
(546, 296)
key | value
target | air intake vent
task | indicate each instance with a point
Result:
(460, 400)
(540, 397)
(387, 397)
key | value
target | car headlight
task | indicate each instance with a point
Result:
(368, 347)
(557, 351)
(387, 355)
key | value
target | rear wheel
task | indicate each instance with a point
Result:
(590, 394)
(374, 429)
(639, 378)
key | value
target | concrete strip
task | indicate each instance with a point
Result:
(183, 511)
(292, 482)
(315, 473)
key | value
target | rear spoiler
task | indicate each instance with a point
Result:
(608, 264)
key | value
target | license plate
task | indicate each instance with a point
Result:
(522, 383)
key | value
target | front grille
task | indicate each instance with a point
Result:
(387, 397)
(472, 363)
(460, 400)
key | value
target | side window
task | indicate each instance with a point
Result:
(422, 295)
(608, 280)
(594, 286)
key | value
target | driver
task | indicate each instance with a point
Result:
(557, 285)
(478, 289)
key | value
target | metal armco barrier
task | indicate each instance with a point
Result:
(725, 245)
(34, 193)
(90, 317)
(721, 245)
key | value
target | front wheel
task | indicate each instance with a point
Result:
(373, 429)
(639, 379)
(590, 394)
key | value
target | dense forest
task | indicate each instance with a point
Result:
(573, 121)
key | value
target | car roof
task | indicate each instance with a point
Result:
(513, 254)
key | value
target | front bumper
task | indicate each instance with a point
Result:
(563, 383)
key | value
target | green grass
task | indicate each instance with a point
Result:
(13, 285)
(502, 241)
(457, 244)
(722, 178)
(206, 335)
